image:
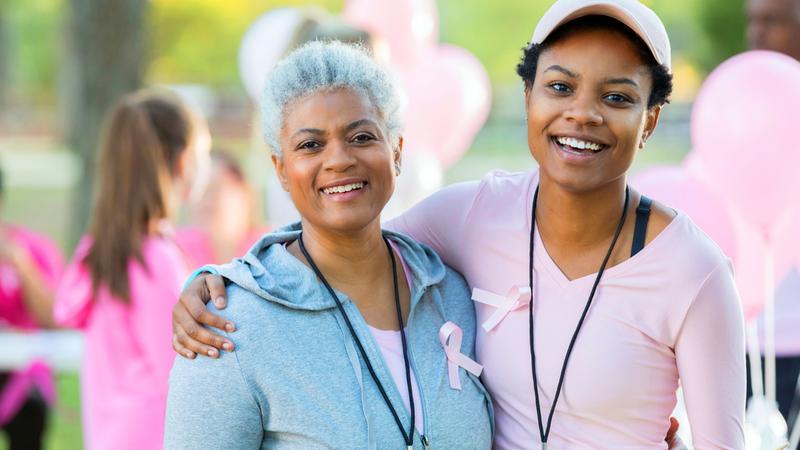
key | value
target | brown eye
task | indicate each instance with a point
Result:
(560, 88)
(618, 99)
(363, 137)
(309, 145)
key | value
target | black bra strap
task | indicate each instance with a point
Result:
(640, 229)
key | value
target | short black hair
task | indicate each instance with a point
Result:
(662, 79)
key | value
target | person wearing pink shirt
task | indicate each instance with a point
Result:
(594, 302)
(222, 220)
(119, 286)
(30, 265)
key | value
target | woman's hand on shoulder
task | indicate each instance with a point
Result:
(190, 314)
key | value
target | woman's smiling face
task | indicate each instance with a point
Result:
(337, 161)
(588, 109)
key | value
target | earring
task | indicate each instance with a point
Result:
(644, 141)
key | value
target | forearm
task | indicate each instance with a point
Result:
(36, 293)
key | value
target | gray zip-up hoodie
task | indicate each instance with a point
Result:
(296, 379)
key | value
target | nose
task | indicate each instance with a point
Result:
(338, 156)
(584, 111)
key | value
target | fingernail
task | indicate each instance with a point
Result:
(227, 346)
(212, 353)
(188, 354)
(229, 327)
(219, 302)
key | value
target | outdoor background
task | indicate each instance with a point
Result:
(51, 52)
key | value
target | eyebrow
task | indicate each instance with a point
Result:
(358, 123)
(351, 126)
(315, 131)
(620, 81)
(563, 70)
(569, 73)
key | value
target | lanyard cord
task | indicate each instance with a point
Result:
(545, 433)
(409, 437)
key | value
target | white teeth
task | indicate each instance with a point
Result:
(344, 188)
(579, 144)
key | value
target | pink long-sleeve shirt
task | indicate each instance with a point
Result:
(666, 316)
(128, 352)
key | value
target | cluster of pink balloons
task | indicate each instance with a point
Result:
(447, 88)
(741, 181)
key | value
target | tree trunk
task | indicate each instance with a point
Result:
(4, 59)
(105, 59)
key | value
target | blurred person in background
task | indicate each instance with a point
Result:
(120, 285)
(775, 25)
(30, 265)
(223, 220)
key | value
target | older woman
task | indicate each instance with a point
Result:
(594, 301)
(348, 337)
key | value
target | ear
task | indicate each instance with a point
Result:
(527, 97)
(650, 123)
(398, 156)
(280, 169)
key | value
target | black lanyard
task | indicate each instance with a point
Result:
(545, 433)
(409, 437)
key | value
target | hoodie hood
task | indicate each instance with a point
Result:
(269, 271)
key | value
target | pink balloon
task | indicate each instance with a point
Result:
(787, 243)
(676, 187)
(749, 266)
(410, 27)
(679, 187)
(449, 98)
(743, 130)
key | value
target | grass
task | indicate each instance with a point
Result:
(64, 428)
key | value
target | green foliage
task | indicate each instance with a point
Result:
(494, 32)
(197, 41)
(33, 44)
(723, 24)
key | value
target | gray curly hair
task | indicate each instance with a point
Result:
(319, 66)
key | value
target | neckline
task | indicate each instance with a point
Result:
(542, 256)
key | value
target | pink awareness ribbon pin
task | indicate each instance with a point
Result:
(451, 336)
(517, 297)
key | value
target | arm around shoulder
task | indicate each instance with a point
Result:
(438, 220)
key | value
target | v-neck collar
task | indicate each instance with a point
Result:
(544, 261)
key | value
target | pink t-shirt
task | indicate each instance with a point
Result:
(392, 350)
(47, 258)
(128, 352)
(671, 313)
(391, 347)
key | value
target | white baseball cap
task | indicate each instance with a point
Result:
(636, 16)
